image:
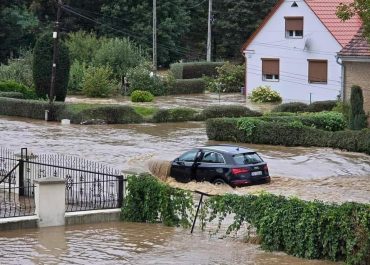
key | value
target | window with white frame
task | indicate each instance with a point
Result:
(294, 27)
(270, 69)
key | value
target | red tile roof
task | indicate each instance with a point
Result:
(358, 46)
(326, 12)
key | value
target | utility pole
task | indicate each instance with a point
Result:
(155, 36)
(209, 39)
(55, 52)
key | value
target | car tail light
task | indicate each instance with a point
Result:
(241, 170)
(265, 168)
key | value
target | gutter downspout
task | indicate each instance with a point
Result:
(342, 78)
(245, 73)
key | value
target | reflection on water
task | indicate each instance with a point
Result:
(131, 243)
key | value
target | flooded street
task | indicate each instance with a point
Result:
(310, 173)
(132, 243)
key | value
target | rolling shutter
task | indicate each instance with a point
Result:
(317, 71)
(270, 66)
(293, 23)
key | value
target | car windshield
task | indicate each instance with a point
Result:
(188, 156)
(247, 158)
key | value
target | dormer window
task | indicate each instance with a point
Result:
(294, 27)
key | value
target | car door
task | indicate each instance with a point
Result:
(181, 168)
(210, 166)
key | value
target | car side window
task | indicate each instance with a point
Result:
(212, 157)
(188, 156)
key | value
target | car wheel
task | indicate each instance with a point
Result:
(219, 181)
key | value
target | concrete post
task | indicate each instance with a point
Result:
(50, 201)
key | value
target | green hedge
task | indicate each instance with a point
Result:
(326, 105)
(12, 86)
(194, 69)
(12, 95)
(230, 111)
(252, 130)
(317, 106)
(188, 86)
(175, 115)
(313, 230)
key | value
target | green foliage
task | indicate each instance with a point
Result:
(230, 77)
(193, 70)
(19, 70)
(140, 78)
(342, 107)
(141, 96)
(175, 115)
(291, 107)
(150, 201)
(145, 111)
(120, 55)
(357, 117)
(98, 82)
(12, 95)
(188, 86)
(325, 105)
(83, 46)
(263, 94)
(230, 111)
(313, 230)
(76, 76)
(12, 86)
(42, 67)
(286, 133)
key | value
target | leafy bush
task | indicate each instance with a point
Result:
(194, 69)
(291, 107)
(313, 230)
(326, 105)
(140, 78)
(228, 111)
(18, 70)
(76, 76)
(141, 96)
(12, 86)
(285, 133)
(357, 117)
(230, 77)
(175, 115)
(83, 46)
(188, 86)
(342, 107)
(263, 94)
(97, 81)
(150, 201)
(42, 61)
(12, 95)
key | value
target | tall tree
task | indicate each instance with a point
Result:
(360, 7)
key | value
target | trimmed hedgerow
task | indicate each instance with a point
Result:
(291, 107)
(326, 105)
(175, 115)
(230, 111)
(188, 86)
(256, 131)
(13, 86)
(313, 230)
(194, 69)
(150, 201)
(12, 95)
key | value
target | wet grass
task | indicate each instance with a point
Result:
(145, 111)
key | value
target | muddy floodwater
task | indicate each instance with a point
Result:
(310, 173)
(129, 243)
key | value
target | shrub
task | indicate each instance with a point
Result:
(12, 86)
(313, 230)
(18, 70)
(83, 46)
(326, 105)
(228, 111)
(76, 76)
(97, 82)
(291, 107)
(194, 69)
(188, 86)
(263, 94)
(175, 115)
(150, 201)
(12, 95)
(357, 117)
(230, 77)
(141, 96)
(42, 61)
(342, 107)
(140, 78)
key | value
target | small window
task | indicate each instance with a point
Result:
(294, 27)
(247, 158)
(318, 71)
(270, 69)
(212, 157)
(188, 156)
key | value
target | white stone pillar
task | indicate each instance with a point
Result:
(50, 201)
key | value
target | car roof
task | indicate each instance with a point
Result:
(230, 149)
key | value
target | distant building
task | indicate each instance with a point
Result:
(294, 50)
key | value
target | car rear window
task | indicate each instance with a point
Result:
(247, 158)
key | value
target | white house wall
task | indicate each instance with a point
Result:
(270, 42)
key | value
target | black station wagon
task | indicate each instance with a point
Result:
(219, 164)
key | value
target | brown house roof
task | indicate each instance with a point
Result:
(357, 47)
